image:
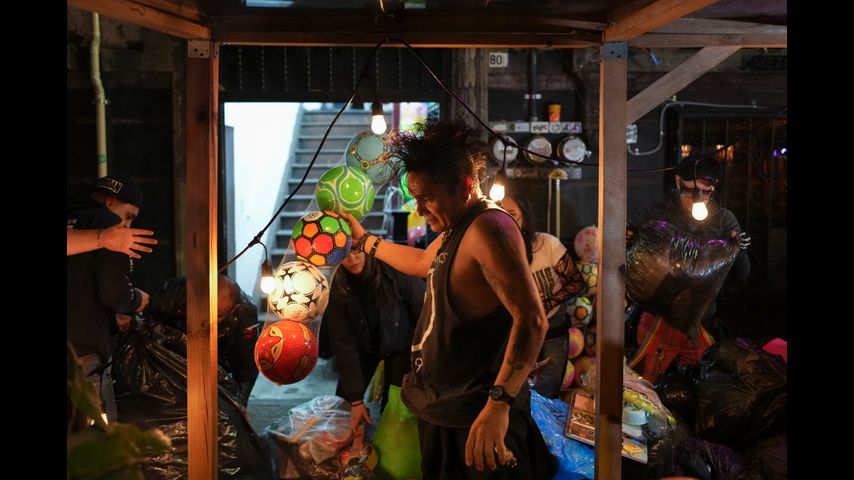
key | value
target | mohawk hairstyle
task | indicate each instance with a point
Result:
(445, 152)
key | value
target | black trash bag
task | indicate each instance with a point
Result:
(707, 461)
(768, 459)
(741, 393)
(677, 274)
(677, 391)
(151, 392)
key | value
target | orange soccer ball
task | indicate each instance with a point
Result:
(286, 352)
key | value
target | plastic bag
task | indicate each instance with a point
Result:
(639, 393)
(677, 274)
(575, 459)
(151, 392)
(741, 393)
(396, 440)
(769, 459)
(708, 461)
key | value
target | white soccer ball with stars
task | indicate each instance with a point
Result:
(301, 292)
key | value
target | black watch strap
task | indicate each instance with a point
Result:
(498, 394)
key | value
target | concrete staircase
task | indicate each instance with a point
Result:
(310, 131)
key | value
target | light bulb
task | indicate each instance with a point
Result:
(699, 211)
(378, 124)
(267, 282)
(497, 191)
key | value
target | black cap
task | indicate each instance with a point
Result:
(703, 168)
(119, 187)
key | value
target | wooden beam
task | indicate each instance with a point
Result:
(417, 40)
(651, 17)
(478, 21)
(706, 26)
(663, 40)
(612, 258)
(180, 8)
(676, 80)
(137, 14)
(202, 407)
(626, 9)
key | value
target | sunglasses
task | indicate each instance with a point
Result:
(688, 191)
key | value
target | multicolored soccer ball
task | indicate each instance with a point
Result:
(301, 292)
(568, 376)
(322, 238)
(586, 245)
(370, 153)
(590, 274)
(579, 310)
(345, 190)
(576, 342)
(582, 366)
(286, 352)
(590, 339)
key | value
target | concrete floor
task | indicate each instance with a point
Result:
(268, 402)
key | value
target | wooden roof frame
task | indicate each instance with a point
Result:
(658, 24)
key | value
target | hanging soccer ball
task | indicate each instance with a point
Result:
(586, 245)
(301, 292)
(369, 152)
(286, 352)
(345, 190)
(322, 238)
(590, 274)
(579, 310)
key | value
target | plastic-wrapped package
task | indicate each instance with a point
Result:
(741, 393)
(575, 459)
(677, 274)
(321, 426)
(640, 394)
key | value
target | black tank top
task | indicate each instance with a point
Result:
(454, 360)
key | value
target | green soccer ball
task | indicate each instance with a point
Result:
(345, 190)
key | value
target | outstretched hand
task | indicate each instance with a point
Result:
(125, 240)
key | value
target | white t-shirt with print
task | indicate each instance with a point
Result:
(547, 251)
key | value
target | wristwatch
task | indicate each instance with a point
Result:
(498, 394)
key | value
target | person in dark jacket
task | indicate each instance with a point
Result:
(371, 316)
(98, 286)
(237, 327)
(660, 343)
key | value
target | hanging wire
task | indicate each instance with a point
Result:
(507, 144)
(257, 239)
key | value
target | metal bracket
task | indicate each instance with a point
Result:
(615, 50)
(199, 48)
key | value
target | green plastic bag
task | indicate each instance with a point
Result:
(396, 441)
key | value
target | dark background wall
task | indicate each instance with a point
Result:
(143, 76)
(138, 75)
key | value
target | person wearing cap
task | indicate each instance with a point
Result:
(660, 343)
(98, 286)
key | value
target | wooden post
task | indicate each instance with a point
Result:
(612, 258)
(202, 106)
(469, 71)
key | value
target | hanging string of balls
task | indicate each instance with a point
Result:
(287, 349)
